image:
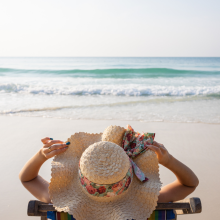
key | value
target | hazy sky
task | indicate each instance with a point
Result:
(110, 28)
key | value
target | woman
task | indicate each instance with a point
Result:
(185, 183)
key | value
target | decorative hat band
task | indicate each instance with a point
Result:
(106, 190)
(134, 144)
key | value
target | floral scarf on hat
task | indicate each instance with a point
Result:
(134, 144)
(106, 190)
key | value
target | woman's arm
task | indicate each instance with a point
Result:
(186, 181)
(29, 177)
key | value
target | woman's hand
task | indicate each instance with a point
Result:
(163, 155)
(29, 177)
(53, 147)
(186, 181)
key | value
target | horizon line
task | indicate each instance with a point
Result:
(109, 56)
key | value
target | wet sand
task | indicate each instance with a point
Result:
(196, 145)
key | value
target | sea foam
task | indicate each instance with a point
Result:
(116, 90)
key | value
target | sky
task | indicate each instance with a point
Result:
(142, 28)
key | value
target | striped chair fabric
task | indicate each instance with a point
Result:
(156, 215)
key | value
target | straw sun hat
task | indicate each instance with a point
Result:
(99, 177)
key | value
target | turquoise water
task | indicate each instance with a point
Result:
(143, 89)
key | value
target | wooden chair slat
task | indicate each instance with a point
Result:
(160, 206)
(46, 207)
(164, 206)
(195, 206)
(186, 206)
(33, 208)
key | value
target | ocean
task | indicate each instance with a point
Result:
(120, 88)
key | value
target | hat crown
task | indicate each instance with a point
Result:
(114, 134)
(104, 163)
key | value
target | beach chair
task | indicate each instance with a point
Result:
(182, 207)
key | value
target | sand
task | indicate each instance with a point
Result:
(196, 145)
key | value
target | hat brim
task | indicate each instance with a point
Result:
(67, 194)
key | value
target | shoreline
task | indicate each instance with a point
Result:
(44, 117)
(195, 144)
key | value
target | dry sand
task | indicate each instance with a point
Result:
(196, 145)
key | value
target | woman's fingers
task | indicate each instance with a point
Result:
(155, 149)
(161, 146)
(54, 147)
(51, 142)
(163, 149)
(46, 140)
(162, 153)
(156, 144)
(55, 152)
